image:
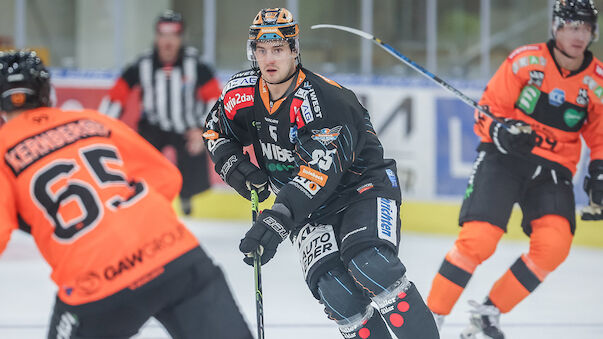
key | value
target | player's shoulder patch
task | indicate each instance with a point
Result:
(529, 56)
(526, 48)
(239, 91)
(598, 68)
(242, 79)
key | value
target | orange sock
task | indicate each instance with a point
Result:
(476, 242)
(550, 243)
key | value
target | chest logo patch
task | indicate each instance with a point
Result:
(326, 135)
(572, 117)
(556, 97)
(582, 98)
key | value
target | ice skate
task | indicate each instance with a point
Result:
(484, 319)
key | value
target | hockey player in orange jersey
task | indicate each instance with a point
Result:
(96, 198)
(550, 94)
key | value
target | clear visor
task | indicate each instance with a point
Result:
(559, 22)
(275, 49)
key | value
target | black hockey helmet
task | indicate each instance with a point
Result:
(169, 21)
(575, 11)
(24, 81)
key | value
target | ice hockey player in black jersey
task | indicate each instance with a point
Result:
(337, 198)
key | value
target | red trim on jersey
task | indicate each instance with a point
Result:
(210, 90)
(120, 91)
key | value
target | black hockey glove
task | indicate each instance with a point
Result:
(518, 139)
(593, 186)
(241, 174)
(269, 230)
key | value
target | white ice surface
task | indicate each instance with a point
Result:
(567, 305)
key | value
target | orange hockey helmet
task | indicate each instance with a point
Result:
(273, 24)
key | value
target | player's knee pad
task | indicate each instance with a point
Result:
(382, 276)
(550, 242)
(476, 242)
(318, 253)
(342, 300)
(375, 269)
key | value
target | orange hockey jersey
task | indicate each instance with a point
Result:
(559, 105)
(96, 198)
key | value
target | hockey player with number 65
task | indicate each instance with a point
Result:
(96, 198)
(550, 95)
(336, 196)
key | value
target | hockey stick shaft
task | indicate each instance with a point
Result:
(257, 272)
(417, 68)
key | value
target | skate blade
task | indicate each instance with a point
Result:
(471, 332)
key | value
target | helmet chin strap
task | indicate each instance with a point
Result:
(563, 52)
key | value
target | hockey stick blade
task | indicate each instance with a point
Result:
(421, 70)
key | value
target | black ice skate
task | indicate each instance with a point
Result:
(484, 319)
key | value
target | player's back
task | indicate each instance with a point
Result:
(96, 198)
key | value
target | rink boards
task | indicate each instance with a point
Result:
(427, 130)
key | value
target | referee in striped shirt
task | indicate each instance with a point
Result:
(177, 90)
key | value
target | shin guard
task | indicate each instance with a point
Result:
(405, 312)
(367, 326)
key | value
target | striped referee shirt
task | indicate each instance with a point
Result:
(173, 97)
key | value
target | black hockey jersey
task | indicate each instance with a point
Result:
(317, 144)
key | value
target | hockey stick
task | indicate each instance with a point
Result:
(257, 271)
(426, 73)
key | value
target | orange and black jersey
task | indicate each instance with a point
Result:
(174, 97)
(316, 144)
(96, 198)
(558, 104)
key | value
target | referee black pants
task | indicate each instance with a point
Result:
(194, 169)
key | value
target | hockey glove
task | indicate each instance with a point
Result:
(593, 186)
(242, 175)
(268, 231)
(518, 139)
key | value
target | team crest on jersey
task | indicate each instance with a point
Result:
(556, 97)
(326, 135)
(536, 78)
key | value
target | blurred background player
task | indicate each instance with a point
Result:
(177, 89)
(554, 89)
(335, 193)
(96, 197)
